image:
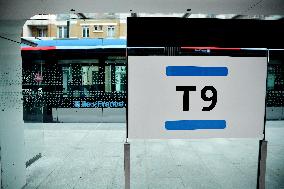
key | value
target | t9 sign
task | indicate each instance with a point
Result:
(212, 98)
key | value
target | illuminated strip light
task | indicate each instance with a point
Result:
(255, 49)
(276, 49)
(262, 49)
(38, 48)
(222, 48)
(211, 48)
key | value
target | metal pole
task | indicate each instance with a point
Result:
(127, 165)
(126, 144)
(0, 169)
(261, 164)
(262, 154)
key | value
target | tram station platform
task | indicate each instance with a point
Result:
(90, 155)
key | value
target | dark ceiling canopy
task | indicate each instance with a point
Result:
(208, 32)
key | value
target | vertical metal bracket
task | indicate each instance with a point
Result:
(127, 165)
(261, 164)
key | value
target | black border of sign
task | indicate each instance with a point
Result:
(205, 32)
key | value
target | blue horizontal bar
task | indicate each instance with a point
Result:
(195, 124)
(196, 71)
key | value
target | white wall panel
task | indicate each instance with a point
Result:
(11, 108)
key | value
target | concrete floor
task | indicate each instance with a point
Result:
(91, 156)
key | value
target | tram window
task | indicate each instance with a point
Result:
(270, 81)
(30, 73)
(90, 80)
(108, 79)
(115, 78)
(115, 74)
(66, 80)
(120, 78)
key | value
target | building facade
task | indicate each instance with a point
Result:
(58, 27)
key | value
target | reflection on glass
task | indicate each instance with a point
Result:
(62, 32)
(120, 78)
(66, 80)
(108, 79)
(90, 79)
(270, 81)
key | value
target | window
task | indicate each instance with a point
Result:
(42, 32)
(115, 78)
(90, 80)
(108, 79)
(120, 78)
(66, 80)
(98, 28)
(61, 32)
(85, 31)
(110, 31)
(115, 74)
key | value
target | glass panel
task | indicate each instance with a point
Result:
(85, 32)
(108, 79)
(98, 27)
(59, 32)
(76, 79)
(90, 80)
(120, 78)
(66, 80)
(110, 31)
(65, 32)
(32, 91)
(41, 32)
(116, 60)
(270, 81)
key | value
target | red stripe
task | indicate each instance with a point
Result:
(211, 48)
(38, 48)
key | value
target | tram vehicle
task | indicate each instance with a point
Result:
(68, 75)
(71, 74)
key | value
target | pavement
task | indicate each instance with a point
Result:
(90, 155)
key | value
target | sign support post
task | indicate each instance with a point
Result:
(126, 144)
(261, 164)
(127, 165)
(262, 154)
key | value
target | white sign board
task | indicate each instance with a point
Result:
(196, 97)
